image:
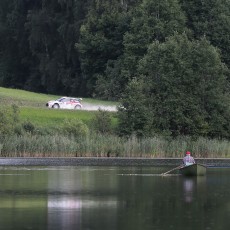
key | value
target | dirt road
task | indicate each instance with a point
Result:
(90, 107)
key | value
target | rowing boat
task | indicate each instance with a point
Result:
(193, 170)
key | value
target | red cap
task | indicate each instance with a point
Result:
(187, 153)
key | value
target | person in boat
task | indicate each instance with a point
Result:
(188, 159)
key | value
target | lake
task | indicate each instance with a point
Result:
(113, 198)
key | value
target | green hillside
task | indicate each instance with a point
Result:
(25, 98)
(33, 108)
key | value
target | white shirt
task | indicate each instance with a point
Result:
(188, 160)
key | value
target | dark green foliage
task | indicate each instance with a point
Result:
(115, 49)
(134, 112)
(152, 20)
(102, 122)
(101, 41)
(149, 21)
(74, 127)
(111, 84)
(28, 127)
(9, 118)
(37, 45)
(14, 55)
(210, 18)
(53, 30)
(187, 88)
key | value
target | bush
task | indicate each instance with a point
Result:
(102, 122)
(74, 127)
(9, 116)
(28, 127)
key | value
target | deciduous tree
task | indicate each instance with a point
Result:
(187, 86)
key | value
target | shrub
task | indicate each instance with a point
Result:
(28, 127)
(9, 116)
(102, 122)
(74, 127)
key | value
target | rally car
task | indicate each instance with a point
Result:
(65, 103)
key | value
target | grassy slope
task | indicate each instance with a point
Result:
(26, 98)
(32, 107)
(51, 117)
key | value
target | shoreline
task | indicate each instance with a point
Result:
(107, 161)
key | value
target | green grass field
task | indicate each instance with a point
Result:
(50, 117)
(26, 98)
(33, 107)
(23, 98)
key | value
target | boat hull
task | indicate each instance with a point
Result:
(193, 170)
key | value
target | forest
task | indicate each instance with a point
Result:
(167, 62)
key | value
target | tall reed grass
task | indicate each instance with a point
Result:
(97, 145)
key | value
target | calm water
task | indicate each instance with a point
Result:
(101, 198)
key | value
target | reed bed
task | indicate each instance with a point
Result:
(98, 145)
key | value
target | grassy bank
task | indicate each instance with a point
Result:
(30, 99)
(44, 117)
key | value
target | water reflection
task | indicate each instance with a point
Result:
(192, 187)
(103, 198)
(188, 186)
(79, 197)
(78, 203)
(69, 211)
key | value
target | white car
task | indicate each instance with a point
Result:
(65, 103)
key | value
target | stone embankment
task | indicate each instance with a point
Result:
(101, 161)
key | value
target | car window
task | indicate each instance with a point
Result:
(64, 100)
(61, 99)
(72, 100)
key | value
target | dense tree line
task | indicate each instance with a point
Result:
(168, 61)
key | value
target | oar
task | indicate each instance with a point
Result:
(163, 174)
